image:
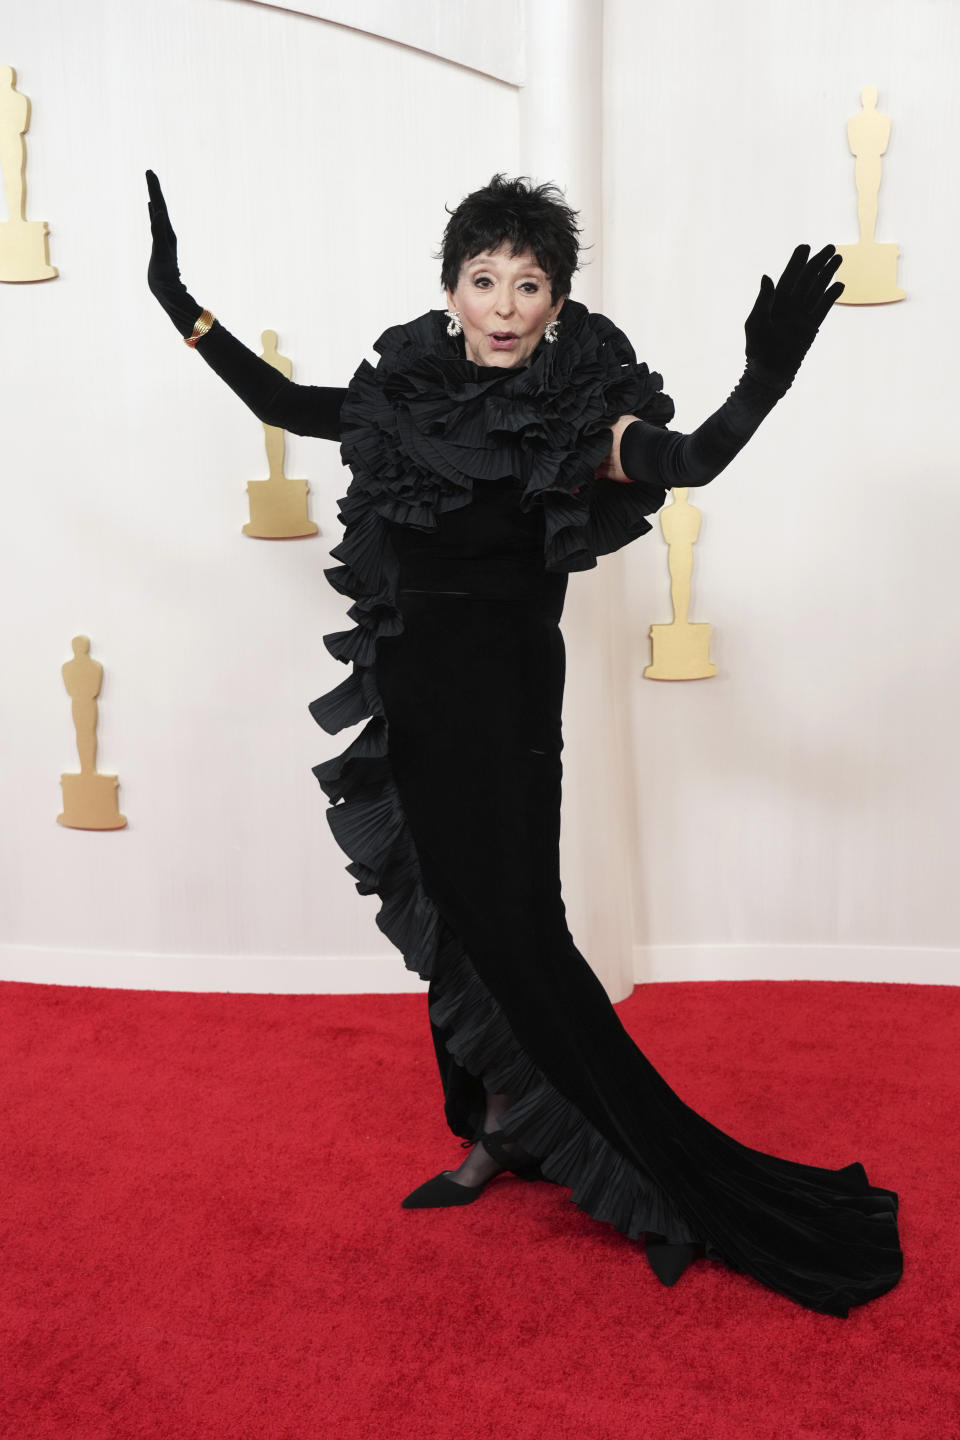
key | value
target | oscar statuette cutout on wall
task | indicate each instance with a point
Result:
(278, 506)
(23, 243)
(89, 799)
(681, 650)
(869, 270)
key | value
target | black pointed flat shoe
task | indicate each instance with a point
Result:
(668, 1262)
(441, 1192)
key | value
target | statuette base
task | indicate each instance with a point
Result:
(278, 510)
(680, 652)
(24, 256)
(90, 803)
(869, 274)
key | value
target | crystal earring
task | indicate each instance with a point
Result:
(550, 331)
(454, 327)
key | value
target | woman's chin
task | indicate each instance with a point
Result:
(503, 359)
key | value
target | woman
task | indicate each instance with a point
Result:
(496, 447)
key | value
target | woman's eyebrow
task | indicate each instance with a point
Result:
(487, 265)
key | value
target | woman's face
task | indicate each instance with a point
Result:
(504, 303)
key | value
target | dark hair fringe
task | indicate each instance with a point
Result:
(534, 219)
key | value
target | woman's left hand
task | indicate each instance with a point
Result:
(786, 317)
(611, 469)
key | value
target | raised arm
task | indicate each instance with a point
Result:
(780, 330)
(303, 409)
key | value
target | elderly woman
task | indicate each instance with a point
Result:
(497, 446)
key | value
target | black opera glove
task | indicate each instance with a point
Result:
(304, 409)
(780, 330)
(163, 272)
(786, 317)
(653, 456)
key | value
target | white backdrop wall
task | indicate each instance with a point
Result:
(306, 167)
(795, 814)
(798, 812)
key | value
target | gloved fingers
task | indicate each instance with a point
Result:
(793, 269)
(813, 304)
(784, 319)
(832, 265)
(822, 257)
(763, 303)
(160, 225)
(153, 188)
(818, 274)
(829, 299)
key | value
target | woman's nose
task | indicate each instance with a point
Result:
(505, 303)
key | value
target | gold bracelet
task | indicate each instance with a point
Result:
(201, 327)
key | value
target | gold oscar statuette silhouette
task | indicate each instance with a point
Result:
(23, 243)
(869, 270)
(89, 799)
(278, 506)
(681, 650)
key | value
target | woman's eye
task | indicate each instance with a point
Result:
(530, 286)
(482, 281)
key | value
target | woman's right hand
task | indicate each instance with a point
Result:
(163, 273)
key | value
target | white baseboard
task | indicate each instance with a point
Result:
(235, 974)
(894, 964)
(385, 974)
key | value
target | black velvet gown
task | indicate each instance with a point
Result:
(473, 497)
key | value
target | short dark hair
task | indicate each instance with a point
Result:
(530, 218)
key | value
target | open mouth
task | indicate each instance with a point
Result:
(502, 339)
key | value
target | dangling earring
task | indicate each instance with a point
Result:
(550, 331)
(454, 326)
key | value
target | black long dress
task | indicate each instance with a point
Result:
(472, 498)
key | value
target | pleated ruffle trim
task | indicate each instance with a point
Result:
(368, 821)
(419, 431)
(571, 1151)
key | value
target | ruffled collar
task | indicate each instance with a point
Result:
(426, 425)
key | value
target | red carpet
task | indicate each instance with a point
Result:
(202, 1235)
